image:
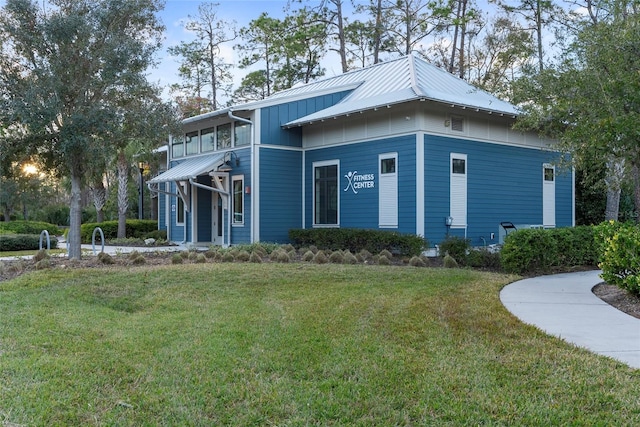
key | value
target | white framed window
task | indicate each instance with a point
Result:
(548, 195)
(241, 133)
(177, 147)
(207, 140)
(326, 197)
(180, 207)
(388, 190)
(191, 143)
(458, 190)
(237, 187)
(223, 136)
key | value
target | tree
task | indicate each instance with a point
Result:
(287, 51)
(409, 22)
(64, 68)
(591, 103)
(202, 59)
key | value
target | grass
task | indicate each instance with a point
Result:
(290, 344)
(17, 254)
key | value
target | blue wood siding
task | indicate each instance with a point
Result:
(162, 208)
(280, 194)
(361, 210)
(272, 118)
(504, 183)
(242, 233)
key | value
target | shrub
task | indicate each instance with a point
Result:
(283, 257)
(105, 258)
(135, 228)
(620, 258)
(29, 227)
(308, 256)
(484, 259)
(383, 260)
(40, 255)
(348, 258)
(242, 256)
(255, 257)
(228, 257)
(417, 261)
(336, 257)
(43, 264)
(320, 258)
(450, 262)
(201, 259)
(457, 247)
(356, 239)
(530, 251)
(23, 242)
(386, 253)
(138, 260)
(177, 259)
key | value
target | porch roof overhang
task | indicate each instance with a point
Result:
(189, 169)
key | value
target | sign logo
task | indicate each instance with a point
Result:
(356, 181)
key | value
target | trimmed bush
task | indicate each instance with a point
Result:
(483, 259)
(355, 239)
(177, 259)
(320, 258)
(135, 228)
(534, 251)
(336, 257)
(457, 247)
(417, 261)
(255, 257)
(29, 227)
(201, 259)
(23, 242)
(619, 244)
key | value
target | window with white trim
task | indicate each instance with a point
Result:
(191, 143)
(325, 193)
(207, 139)
(180, 208)
(458, 190)
(388, 190)
(241, 133)
(238, 199)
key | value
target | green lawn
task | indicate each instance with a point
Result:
(290, 344)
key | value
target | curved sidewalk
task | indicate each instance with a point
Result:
(563, 305)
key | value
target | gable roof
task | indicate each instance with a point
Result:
(405, 79)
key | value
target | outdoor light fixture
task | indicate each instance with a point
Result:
(448, 221)
(226, 165)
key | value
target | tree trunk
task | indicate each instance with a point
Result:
(123, 197)
(341, 37)
(613, 181)
(75, 218)
(377, 38)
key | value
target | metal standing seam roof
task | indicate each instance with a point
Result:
(402, 80)
(405, 79)
(189, 169)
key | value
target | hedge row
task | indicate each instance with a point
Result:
(533, 251)
(357, 239)
(135, 228)
(24, 242)
(29, 227)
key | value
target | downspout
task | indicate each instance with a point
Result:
(225, 194)
(252, 169)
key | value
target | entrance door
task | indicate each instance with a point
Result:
(218, 223)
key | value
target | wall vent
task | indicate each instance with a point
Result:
(457, 123)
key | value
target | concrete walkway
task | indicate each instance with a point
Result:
(563, 305)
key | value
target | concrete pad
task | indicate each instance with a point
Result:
(564, 306)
